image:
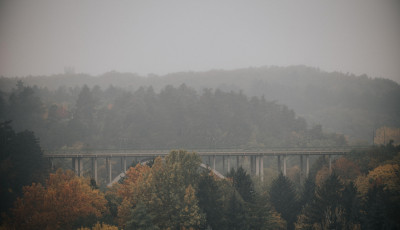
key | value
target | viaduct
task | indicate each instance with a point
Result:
(229, 157)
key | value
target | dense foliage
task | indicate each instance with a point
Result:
(21, 163)
(62, 203)
(173, 118)
(343, 103)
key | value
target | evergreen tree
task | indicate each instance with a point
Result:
(333, 206)
(380, 210)
(22, 163)
(236, 214)
(243, 184)
(308, 192)
(211, 201)
(284, 198)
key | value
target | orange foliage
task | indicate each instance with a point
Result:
(129, 191)
(346, 169)
(65, 198)
(133, 176)
(322, 175)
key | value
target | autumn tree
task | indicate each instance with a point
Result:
(60, 203)
(191, 215)
(346, 169)
(380, 191)
(166, 192)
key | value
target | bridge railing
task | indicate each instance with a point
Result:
(204, 151)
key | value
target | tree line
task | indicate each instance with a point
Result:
(176, 117)
(341, 102)
(361, 192)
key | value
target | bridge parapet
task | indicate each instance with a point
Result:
(256, 157)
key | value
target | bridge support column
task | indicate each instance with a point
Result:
(301, 169)
(279, 164)
(330, 163)
(75, 165)
(229, 164)
(51, 163)
(257, 165)
(214, 162)
(237, 162)
(261, 168)
(109, 169)
(223, 165)
(94, 169)
(123, 164)
(80, 168)
(307, 165)
(284, 165)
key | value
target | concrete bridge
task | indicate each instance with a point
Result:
(229, 157)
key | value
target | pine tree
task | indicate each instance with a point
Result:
(211, 200)
(243, 184)
(284, 198)
(236, 214)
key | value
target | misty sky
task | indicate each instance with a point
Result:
(42, 37)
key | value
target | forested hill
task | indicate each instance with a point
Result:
(343, 103)
(176, 117)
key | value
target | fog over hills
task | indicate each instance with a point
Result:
(43, 37)
(343, 103)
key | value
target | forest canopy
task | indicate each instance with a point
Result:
(355, 106)
(176, 117)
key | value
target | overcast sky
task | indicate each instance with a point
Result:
(42, 37)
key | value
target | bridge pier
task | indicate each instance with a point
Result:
(301, 169)
(284, 165)
(80, 169)
(223, 165)
(213, 162)
(257, 161)
(229, 163)
(261, 167)
(94, 169)
(75, 165)
(330, 163)
(51, 162)
(307, 165)
(109, 169)
(123, 164)
(279, 164)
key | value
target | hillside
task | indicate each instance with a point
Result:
(352, 105)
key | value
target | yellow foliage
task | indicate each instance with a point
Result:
(385, 175)
(99, 226)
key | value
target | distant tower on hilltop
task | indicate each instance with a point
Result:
(69, 70)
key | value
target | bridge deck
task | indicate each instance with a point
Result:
(222, 152)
